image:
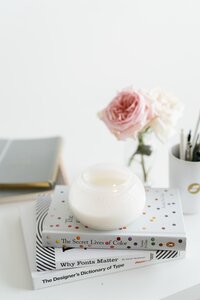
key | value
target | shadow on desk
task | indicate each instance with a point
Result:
(192, 293)
(14, 269)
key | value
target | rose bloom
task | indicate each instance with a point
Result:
(128, 113)
(168, 110)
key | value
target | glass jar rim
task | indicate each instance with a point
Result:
(107, 178)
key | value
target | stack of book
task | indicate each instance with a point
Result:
(60, 249)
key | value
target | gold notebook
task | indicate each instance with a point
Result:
(15, 195)
(29, 163)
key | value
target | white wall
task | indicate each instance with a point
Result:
(62, 61)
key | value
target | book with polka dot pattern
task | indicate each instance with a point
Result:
(160, 227)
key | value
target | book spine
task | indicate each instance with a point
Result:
(76, 240)
(144, 256)
(52, 278)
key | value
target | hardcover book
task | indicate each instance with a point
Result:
(45, 263)
(160, 227)
(14, 195)
(29, 163)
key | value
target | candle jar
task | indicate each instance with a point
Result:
(107, 197)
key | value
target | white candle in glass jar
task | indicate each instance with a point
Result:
(107, 197)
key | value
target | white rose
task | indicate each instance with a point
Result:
(168, 110)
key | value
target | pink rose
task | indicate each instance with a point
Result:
(128, 113)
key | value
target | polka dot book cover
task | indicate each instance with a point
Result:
(160, 227)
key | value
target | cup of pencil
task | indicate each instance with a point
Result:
(184, 169)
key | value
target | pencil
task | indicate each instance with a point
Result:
(182, 145)
(195, 132)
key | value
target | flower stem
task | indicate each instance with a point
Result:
(141, 143)
(143, 168)
(131, 158)
(140, 146)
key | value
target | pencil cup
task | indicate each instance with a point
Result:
(185, 175)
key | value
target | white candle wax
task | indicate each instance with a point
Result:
(107, 197)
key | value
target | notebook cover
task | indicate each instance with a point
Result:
(29, 163)
(14, 195)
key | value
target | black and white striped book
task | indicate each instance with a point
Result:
(45, 263)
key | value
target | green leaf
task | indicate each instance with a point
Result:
(144, 149)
